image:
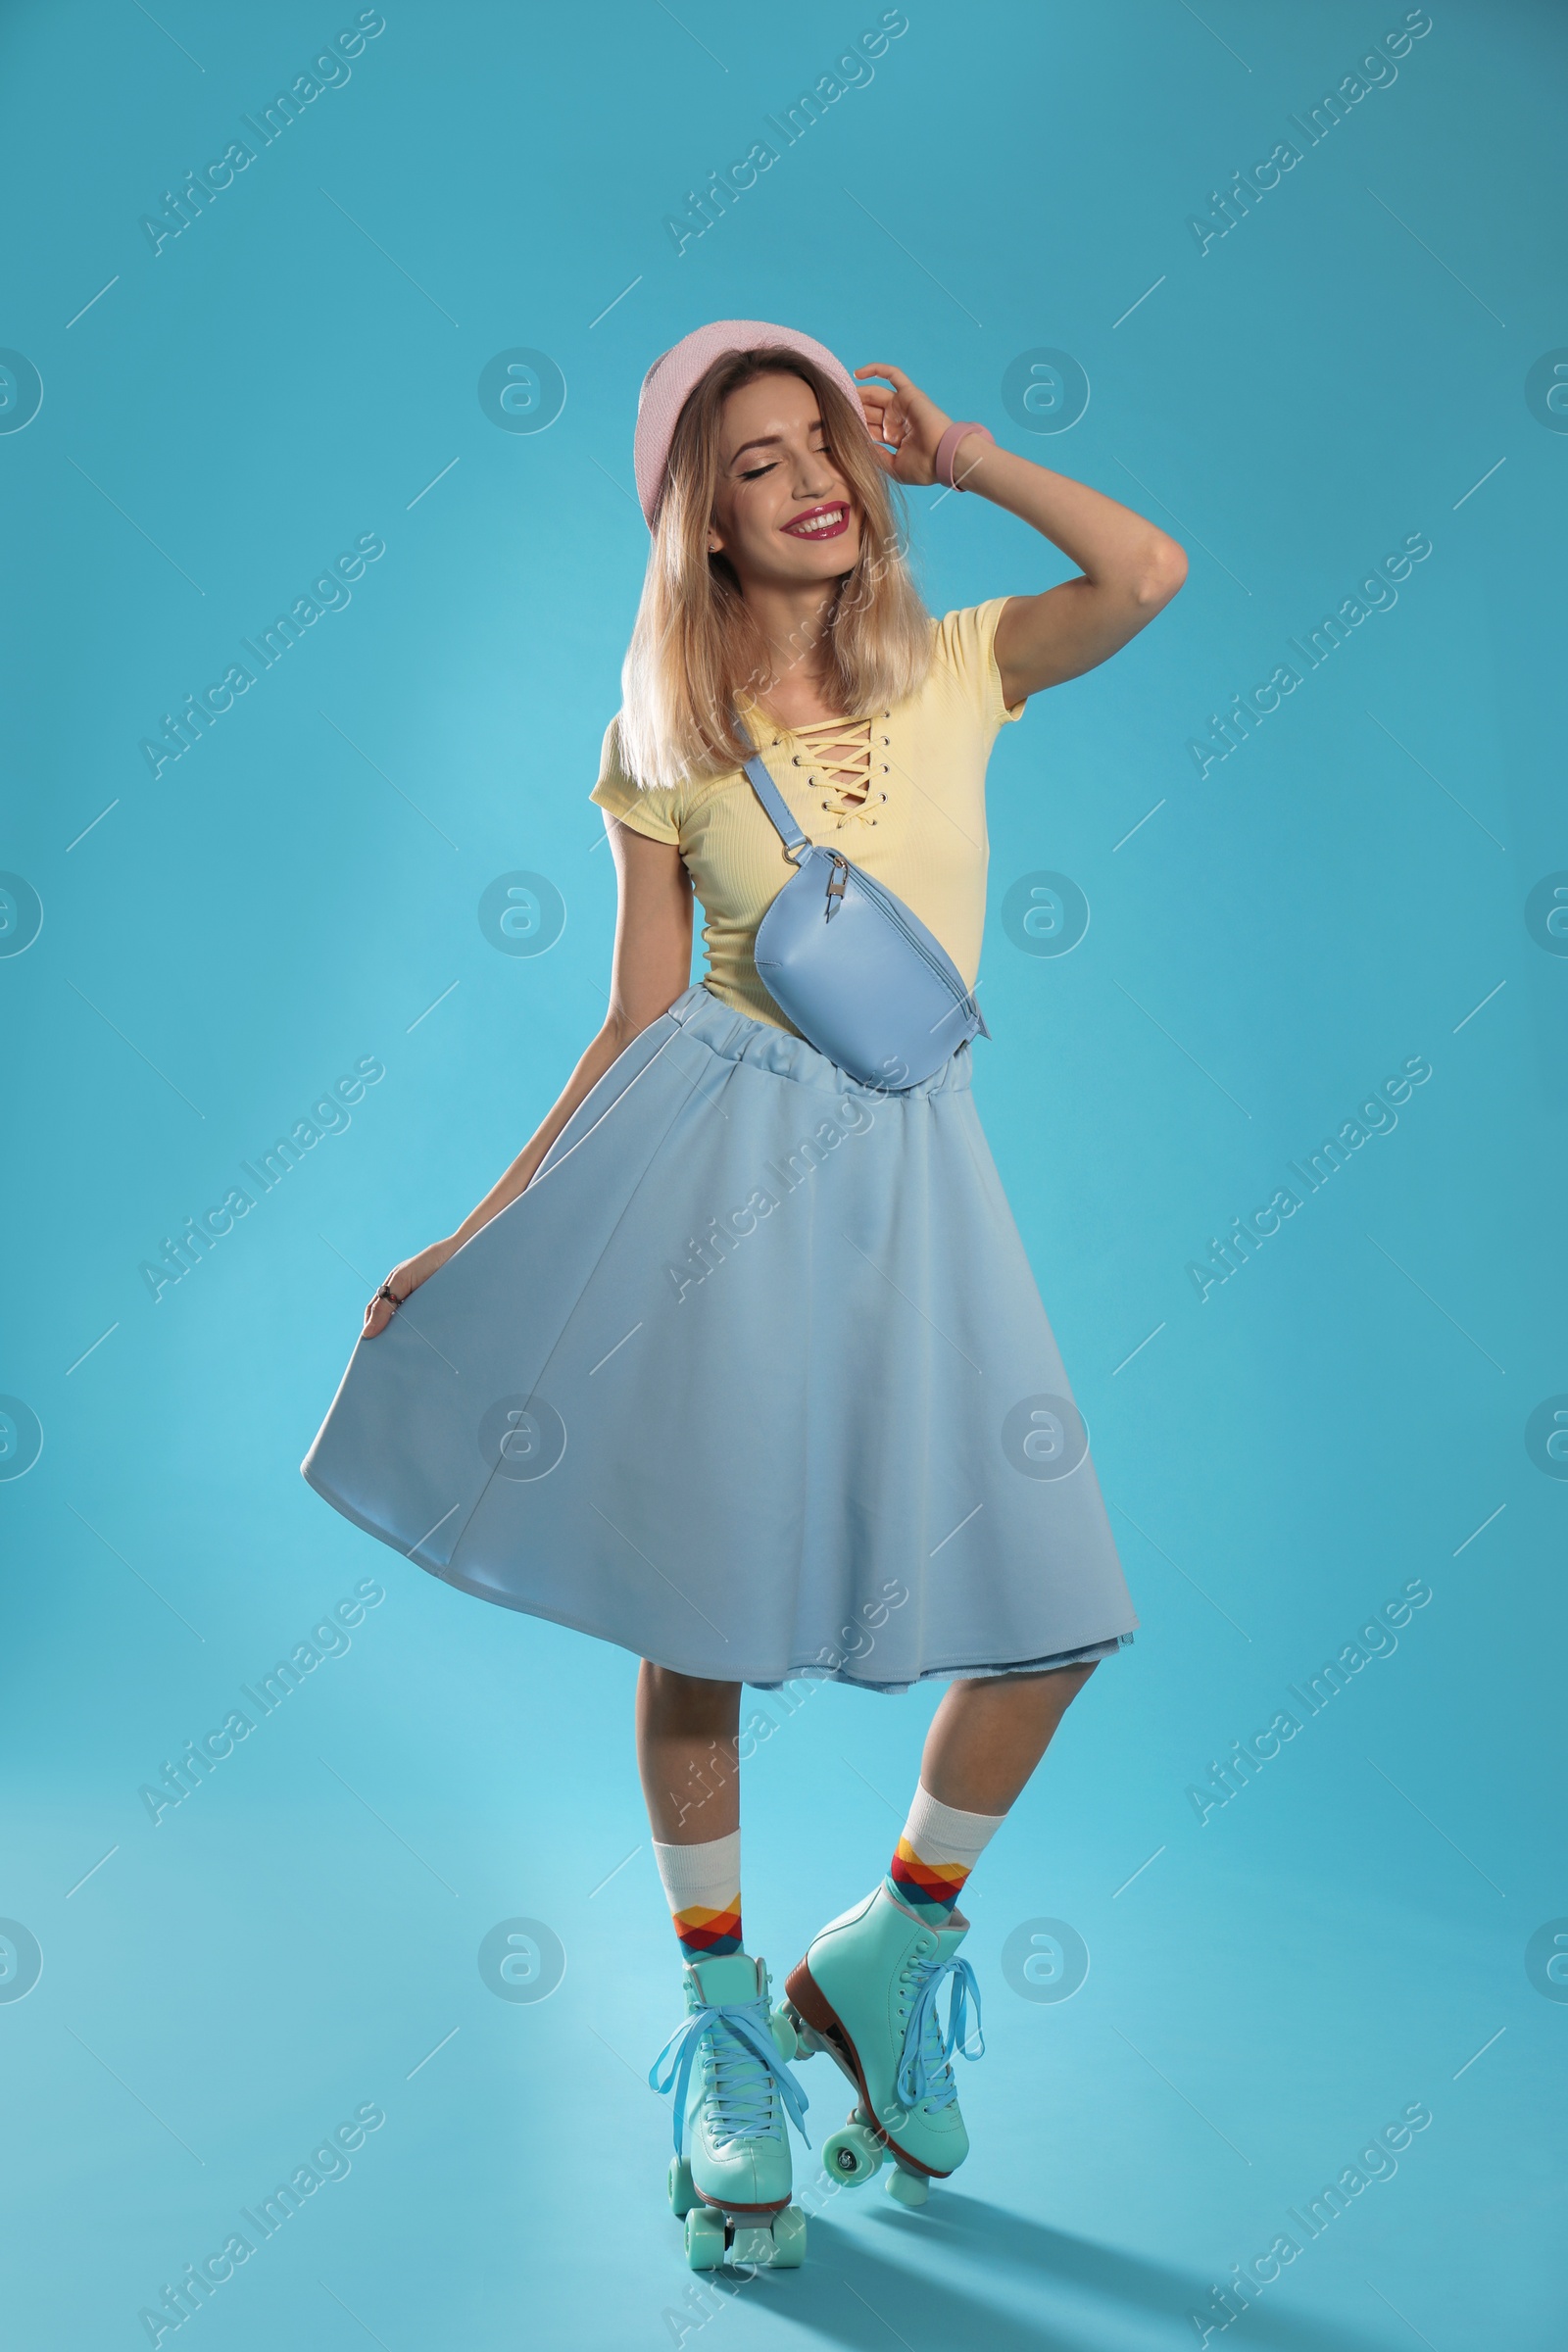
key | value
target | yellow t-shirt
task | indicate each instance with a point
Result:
(921, 829)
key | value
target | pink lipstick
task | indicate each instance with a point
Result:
(829, 521)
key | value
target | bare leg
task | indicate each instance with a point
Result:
(988, 1733)
(686, 1753)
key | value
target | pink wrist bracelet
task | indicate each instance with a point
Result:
(948, 449)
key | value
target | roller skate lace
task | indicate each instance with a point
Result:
(742, 2073)
(925, 2070)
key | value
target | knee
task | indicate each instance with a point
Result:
(695, 1685)
(690, 1700)
(1065, 1683)
(1059, 1684)
(1051, 1690)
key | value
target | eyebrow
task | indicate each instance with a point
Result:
(772, 440)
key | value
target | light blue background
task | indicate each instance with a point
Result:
(301, 888)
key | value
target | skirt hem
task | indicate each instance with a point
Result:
(1088, 1651)
(968, 1669)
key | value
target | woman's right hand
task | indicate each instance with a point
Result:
(401, 1282)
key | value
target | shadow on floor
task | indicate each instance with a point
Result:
(867, 2296)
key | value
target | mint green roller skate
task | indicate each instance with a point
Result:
(866, 1993)
(730, 2179)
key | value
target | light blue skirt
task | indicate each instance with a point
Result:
(754, 1379)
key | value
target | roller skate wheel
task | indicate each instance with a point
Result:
(785, 2038)
(789, 2240)
(807, 2041)
(704, 2238)
(910, 2188)
(851, 2154)
(752, 2242)
(682, 2194)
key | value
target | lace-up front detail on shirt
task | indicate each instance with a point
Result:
(845, 762)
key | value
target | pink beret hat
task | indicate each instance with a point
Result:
(676, 373)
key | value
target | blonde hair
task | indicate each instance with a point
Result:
(695, 645)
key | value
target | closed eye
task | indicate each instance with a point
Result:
(754, 473)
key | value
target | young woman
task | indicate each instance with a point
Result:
(741, 1364)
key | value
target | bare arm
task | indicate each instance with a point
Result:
(652, 966)
(1129, 569)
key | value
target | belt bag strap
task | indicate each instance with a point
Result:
(852, 967)
(778, 810)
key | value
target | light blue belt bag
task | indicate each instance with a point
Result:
(852, 967)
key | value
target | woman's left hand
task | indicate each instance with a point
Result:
(905, 419)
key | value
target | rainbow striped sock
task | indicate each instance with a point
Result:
(709, 1935)
(938, 1848)
(932, 1888)
(701, 1885)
